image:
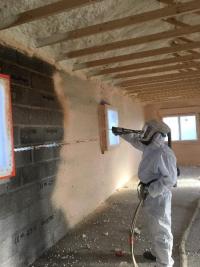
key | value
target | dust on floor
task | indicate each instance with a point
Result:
(103, 239)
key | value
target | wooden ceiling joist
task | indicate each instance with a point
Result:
(174, 91)
(163, 81)
(156, 70)
(169, 93)
(153, 100)
(148, 64)
(176, 22)
(137, 55)
(44, 11)
(165, 12)
(166, 93)
(170, 85)
(160, 78)
(167, 2)
(130, 42)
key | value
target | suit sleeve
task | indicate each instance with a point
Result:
(133, 139)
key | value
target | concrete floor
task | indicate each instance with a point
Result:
(95, 241)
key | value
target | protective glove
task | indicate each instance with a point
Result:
(142, 191)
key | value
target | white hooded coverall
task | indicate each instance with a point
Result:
(158, 162)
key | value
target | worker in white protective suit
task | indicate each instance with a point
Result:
(158, 175)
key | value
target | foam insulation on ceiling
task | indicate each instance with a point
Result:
(89, 15)
(95, 13)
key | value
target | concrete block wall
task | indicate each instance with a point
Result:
(28, 222)
(55, 187)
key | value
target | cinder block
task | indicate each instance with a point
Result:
(44, 154)
(48, 69)
(48, 169)
(18, 75)
(30, 174)
(31, 135)
(7, 250)
(23, 198)
(42, 83)
(21, 116)
(13, 223)
(3, 187)
(35, 64)
(19, 95)
(61, 226)
(54, 134)
(35, 172)
(28, 116)
(49, 101)
(31, 97)
(46, 187)
(15, 182)
(28, 219)
(16, 135)
(23, 158)
(40, 135)
(7, 53)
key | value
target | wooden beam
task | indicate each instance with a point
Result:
(156, 70)
(129, 42)
(172, 84)
(154, 95)
(164, 82)
(159, 78)
(190, 92)
(167, 2)
(165, 12)
(174, 91)
(193, 52)
(166, 99)
(137, 55)
(143, 65)
(185, 39)
(170, 92)
(170, 79)
(176, 22)
(44, 11)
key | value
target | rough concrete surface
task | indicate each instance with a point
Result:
(95, 241)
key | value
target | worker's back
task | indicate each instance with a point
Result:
(158, 160)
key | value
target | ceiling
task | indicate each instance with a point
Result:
(150, 49)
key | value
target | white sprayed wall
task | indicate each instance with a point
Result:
(85, 176)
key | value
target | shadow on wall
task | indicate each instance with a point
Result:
(29, 223)
(40, 224)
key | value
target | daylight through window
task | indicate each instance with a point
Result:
(183, 128)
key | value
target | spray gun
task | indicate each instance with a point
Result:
(120, 131)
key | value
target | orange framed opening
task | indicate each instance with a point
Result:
(7, 162)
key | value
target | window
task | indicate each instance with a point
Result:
(108, 118)
(183, 128)
(112, 121)
(6, 138)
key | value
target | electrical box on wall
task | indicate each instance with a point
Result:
(108, 118)
(7, 164)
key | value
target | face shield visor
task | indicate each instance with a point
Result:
(151, 128)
